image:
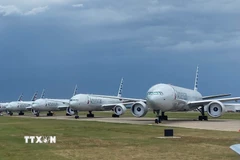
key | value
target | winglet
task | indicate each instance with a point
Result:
(196, 80)
(120, 88)
(43, 93)
(75, 90)
(34, 96)
(20, 97)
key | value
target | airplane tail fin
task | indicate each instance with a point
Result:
(20, 97)
(75, 91)
(196, 80)
(120, 88)
(43, 94)
(34, 96)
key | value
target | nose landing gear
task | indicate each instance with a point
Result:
(160, 118)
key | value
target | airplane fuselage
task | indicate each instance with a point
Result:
(88, 102)
(18, 105)
(166, 97)
(3, 107)
(49, 104)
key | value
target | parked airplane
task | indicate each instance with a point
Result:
(20, 106)
(45, 104)
(166, 97)
(236, 148)
(3, 107)
(92, 102)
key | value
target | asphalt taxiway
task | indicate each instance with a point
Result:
(211, 124)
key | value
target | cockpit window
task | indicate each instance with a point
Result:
(155, 93)
(73, 99)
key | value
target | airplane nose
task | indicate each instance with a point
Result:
(73, 104)
(152, 100)
(34, 106)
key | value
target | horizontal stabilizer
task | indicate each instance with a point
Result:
(216, 96)
(236, 148)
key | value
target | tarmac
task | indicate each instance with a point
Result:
(211, 124)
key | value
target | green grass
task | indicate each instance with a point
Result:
(96, 140)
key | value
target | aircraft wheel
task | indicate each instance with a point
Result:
(76, 117)
(114, 115)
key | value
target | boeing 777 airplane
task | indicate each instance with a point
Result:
(166, 97)
(92, 102)
(45, 104)
(20, 106)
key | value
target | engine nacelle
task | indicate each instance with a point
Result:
(69, 111)
(119, 109)
(215, 109)
(34, 112)
(139, 109)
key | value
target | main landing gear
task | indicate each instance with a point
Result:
(115, 116)
(160, 118)
(202, 117)
(20, 113)
(90, 114)
(10, 113)
(76, 114)
(50, 113)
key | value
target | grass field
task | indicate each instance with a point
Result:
(96, 140)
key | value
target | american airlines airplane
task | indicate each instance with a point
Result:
(92, 102)
(20, 106)
(3, 106)
(45, 104)
(166, 97)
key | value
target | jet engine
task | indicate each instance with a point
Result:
(69, 111)
(215, 109)
(119, 109)
(139, 109)
(34, 111)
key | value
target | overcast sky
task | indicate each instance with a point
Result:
(55, 44)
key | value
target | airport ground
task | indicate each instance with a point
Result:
(87, 138)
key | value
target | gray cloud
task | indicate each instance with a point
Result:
(77, 5)
(135, 39)
(13, 10)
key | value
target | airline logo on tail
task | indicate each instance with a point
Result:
(120, 88)
(20, 97)
(43, 93)
(196, 80)
(75, 91)
(34, 96)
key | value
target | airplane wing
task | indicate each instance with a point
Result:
(122, 98)
(29, 108)
(216, 96)
(111, 106)
(64, 101)
(205, 102)
(236, 148)
(63, 107)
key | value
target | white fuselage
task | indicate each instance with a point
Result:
(166, 97)
(88, 102)
(44, 104)
(3, 107)
(18, 105)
